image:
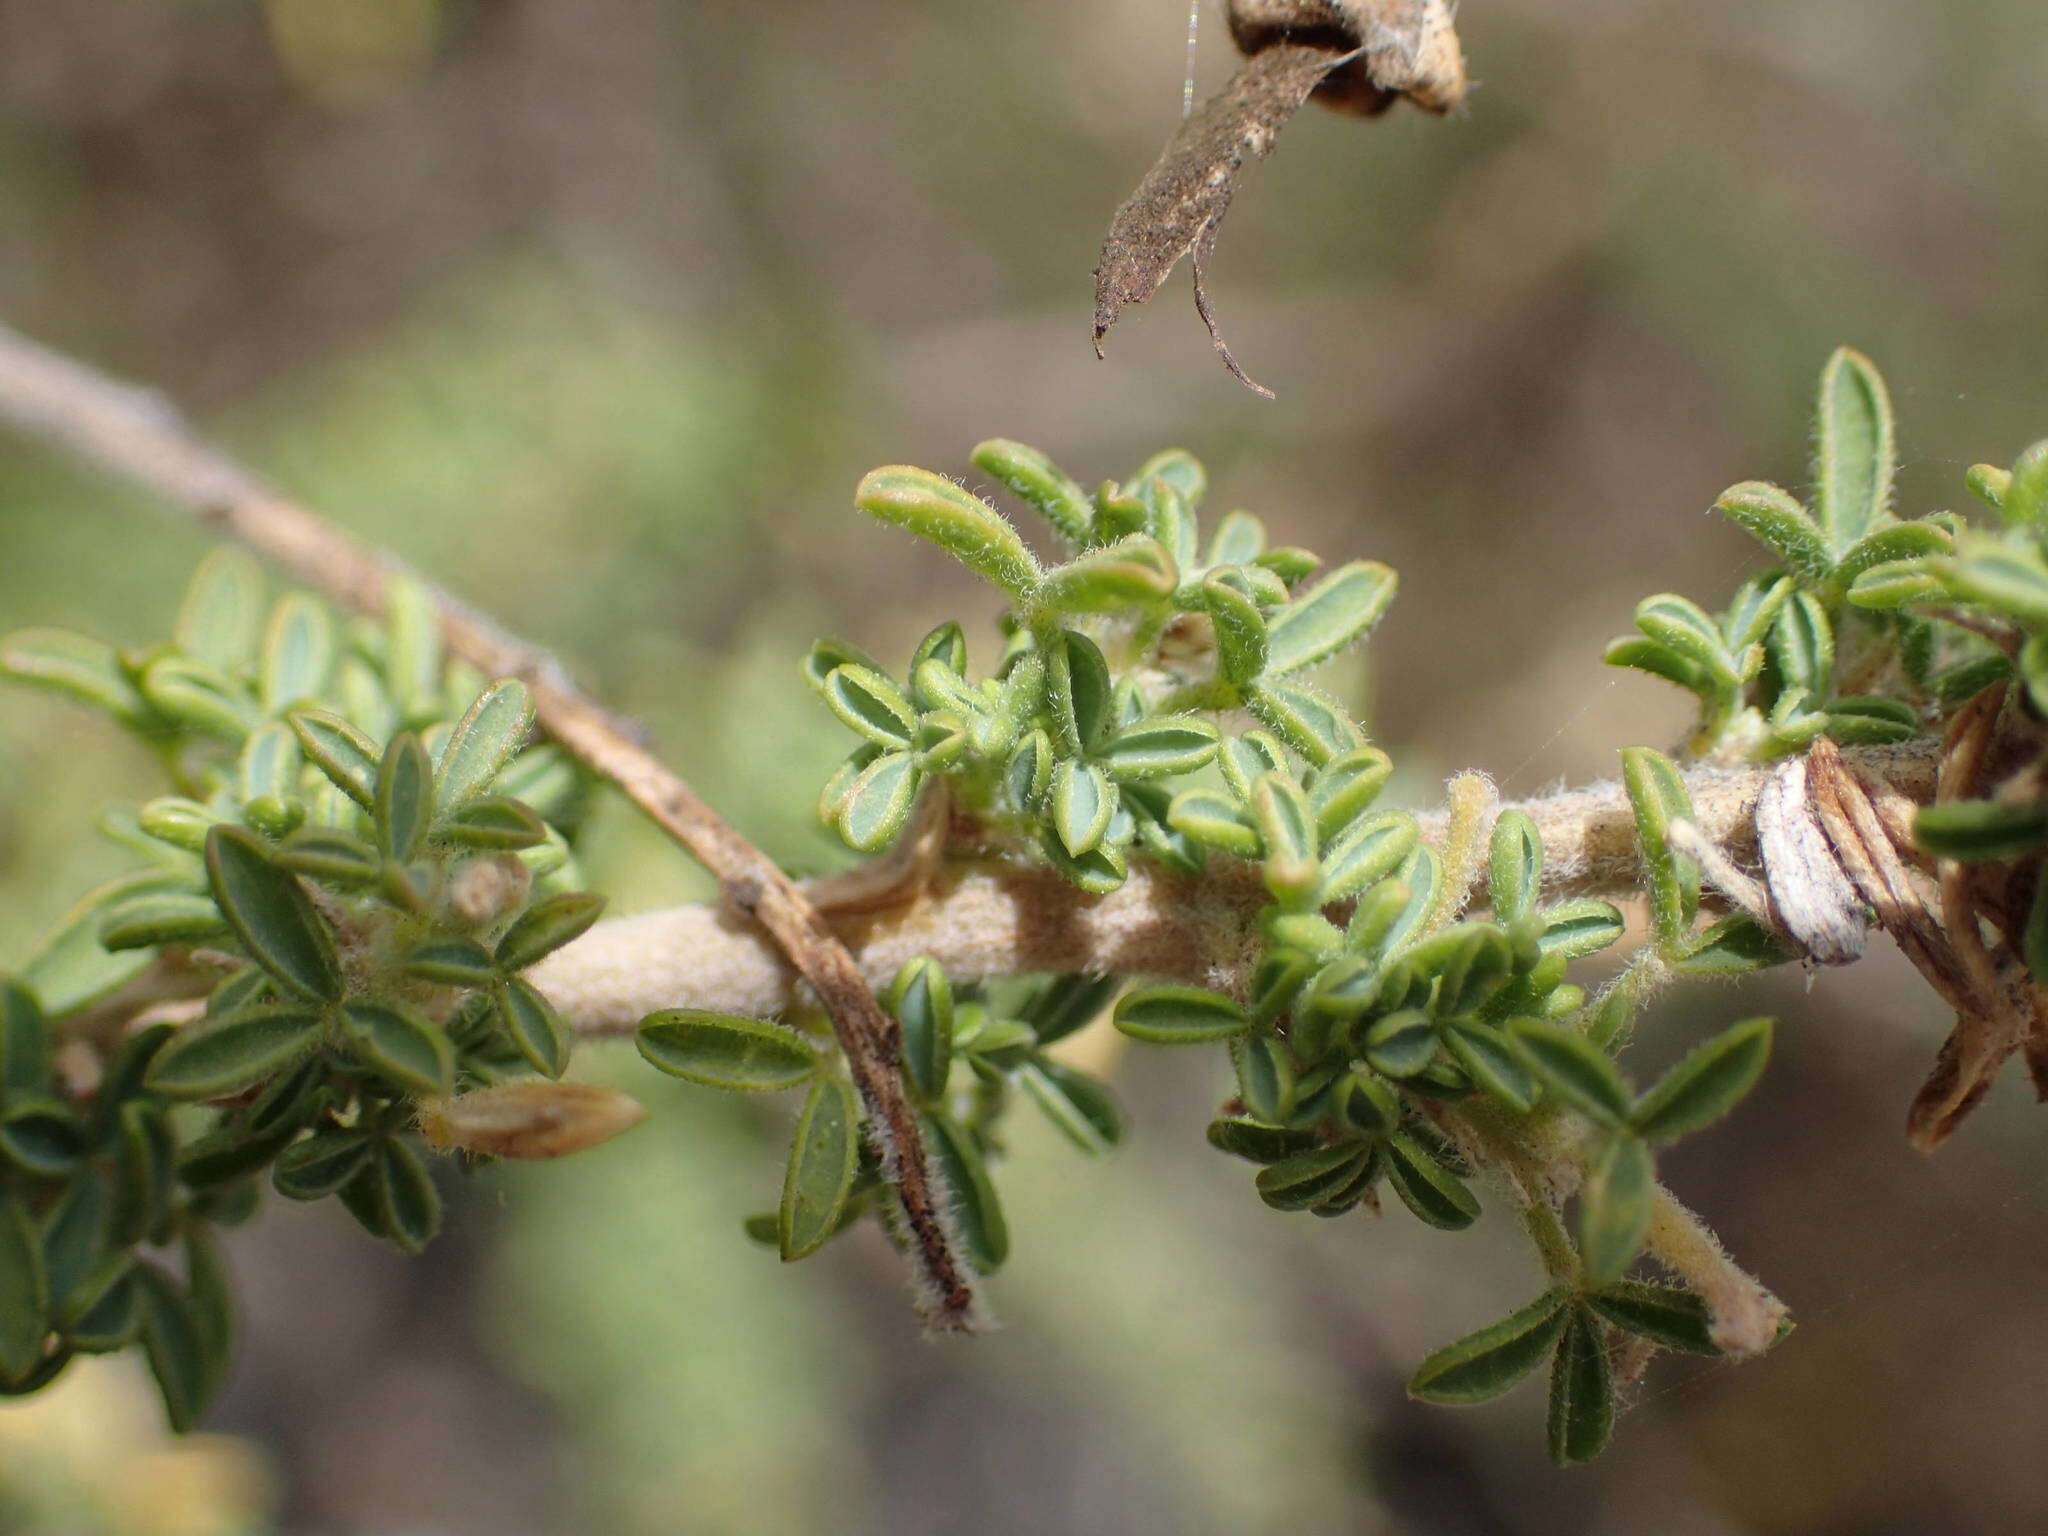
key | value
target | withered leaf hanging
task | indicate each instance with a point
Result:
(1355, 56)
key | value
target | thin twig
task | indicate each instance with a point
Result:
(140, 436)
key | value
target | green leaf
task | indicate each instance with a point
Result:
(1342, 789)
(1244, 758)
(1365, 853)
(1578, 928)
(1162, 745)
(175, 1347)
(321, 1164)
(1241, 633)
(1256, 1142)
(1897, 583)
(220, 1056)
(1581, 1392)
(77, 1237)
(405, 797)
(1266, 1076)
(1729, 947)
(1307, 721)
(1646, 655)
(326, 853)
(941, 513)
(66, 967)
(41, 1137)
(2023, 498)
(269, 764)
(24, 1042)
(177, 821)
(1136, 572)
(1401, 1043)
(1289, 562)
(1470, 962)
(1079, 688)
(1082, 802)
(1711, 1080)
(143, 1150)
(272, 915)
(497, 824)
(1671, 1317)
(545, 927)
(200, 697)
(1098, 871)
(921, 998)
(1659, 798)
(405, 1195)
(1776, 517)
(1802, 645)
(106, 1315)
(1332, 615)
(821, 1167)
(2010, 581)
(206, 1284)
(412, 649)
(1033, 478)
(1614, 1208)
(1982, 831)
(1213, 820)
(976, 1207)
(532, 1025)
(1068, 1004)
(298, 652)
(1574, 1069)
(1899, 542)
(1514, 866)
(83, 669)
(24, 1292)
(401, 1047)
(1430, 1190)
(1027, 777)
(1483, 1365)
(877, 804)
(827, 655)
(1854, 453)
(222, 609)
(1492, 1065)
(871, 704)
(1287, 831)
(349, 758)
(1239, 537)
(1178, 1015)
(1681, 625)
(160, 917)
(723, 1050)
(1868, 720)
(1309, 1178)
(1083, 1109)
(484, 742)
(452, 962)
(1755, 607)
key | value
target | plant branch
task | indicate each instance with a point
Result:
(980, 917)
(139, 435)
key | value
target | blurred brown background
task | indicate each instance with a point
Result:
(597, 310)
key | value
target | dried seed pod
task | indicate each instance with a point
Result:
(531, 1119)
(1400, 48)
(1356, 56)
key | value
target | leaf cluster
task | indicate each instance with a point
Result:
(364, 843)
(1116, 661)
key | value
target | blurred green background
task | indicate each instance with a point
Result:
(596, 312)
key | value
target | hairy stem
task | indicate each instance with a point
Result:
(138, 435)
(981, 918)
